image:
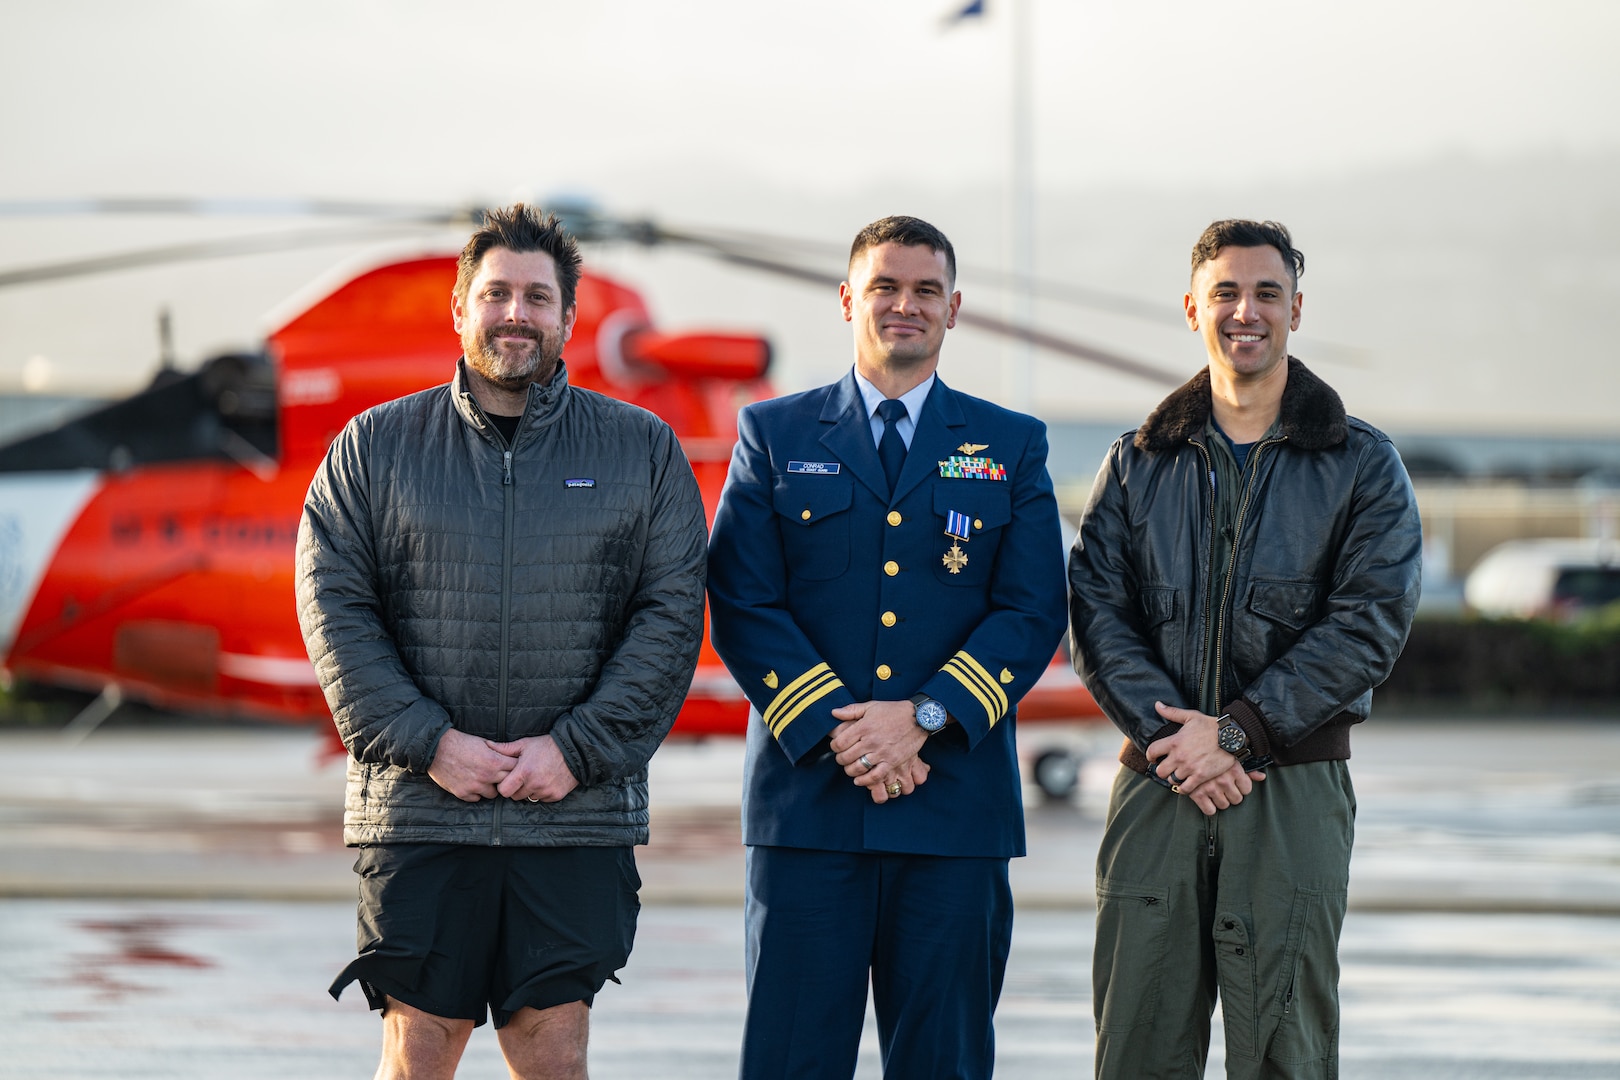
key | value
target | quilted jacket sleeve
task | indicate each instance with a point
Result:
(381, 714)
(643, 684)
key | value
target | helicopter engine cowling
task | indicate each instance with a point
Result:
(699, 355)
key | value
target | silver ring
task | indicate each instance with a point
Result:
(867, 762)
(893, 789)
(534, 798)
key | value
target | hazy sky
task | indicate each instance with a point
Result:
(809, 120)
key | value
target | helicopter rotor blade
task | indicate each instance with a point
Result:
(280, 208)
(1170, 315)
(742, 248)
(592, 225)
(255, 244)
(1063, 346)
(581, 218)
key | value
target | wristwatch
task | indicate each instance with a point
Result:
(1231, 737)
(930, 713)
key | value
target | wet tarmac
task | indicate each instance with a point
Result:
(174, 901)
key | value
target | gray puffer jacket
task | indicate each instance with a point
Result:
(556, 586)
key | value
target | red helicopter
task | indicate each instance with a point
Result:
(146, 548)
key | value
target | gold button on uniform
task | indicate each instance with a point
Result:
(805, 515)
(891, 568)
(977, 524)
(883, 671)
(889, 619)
(894, 517)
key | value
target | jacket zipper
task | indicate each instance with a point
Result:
(506, 593)
(1252, 470)
(506, 613)
(506, 599)
(1209, 471)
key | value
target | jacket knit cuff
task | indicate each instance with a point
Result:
(1247, 717)
(1330, 742)
(1134, 758)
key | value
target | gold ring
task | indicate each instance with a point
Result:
(894, 788)
(1176, 788)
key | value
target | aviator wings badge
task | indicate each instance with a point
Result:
(971, 448)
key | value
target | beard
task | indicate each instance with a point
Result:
(512, 370)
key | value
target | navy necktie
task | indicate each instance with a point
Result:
(891, 448)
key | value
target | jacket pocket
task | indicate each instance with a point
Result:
(1290, 603)
(813, 512)
(1132, 932)
(987, 506)
(1158, 606)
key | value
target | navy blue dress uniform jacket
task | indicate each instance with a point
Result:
(825, 591)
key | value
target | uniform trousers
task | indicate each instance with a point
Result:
(1248, 903)
(931, 934)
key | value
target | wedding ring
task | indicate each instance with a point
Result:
(867, 762)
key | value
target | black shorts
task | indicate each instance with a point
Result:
(451, 928)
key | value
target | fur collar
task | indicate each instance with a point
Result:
(1312, 415)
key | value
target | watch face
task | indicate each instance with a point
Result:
(1232, 738)
(931, 715)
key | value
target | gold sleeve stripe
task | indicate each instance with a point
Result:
(972, 675)
(812, 693)
(972, 688)
(799, 695)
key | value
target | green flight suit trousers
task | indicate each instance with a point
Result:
(1249, 902)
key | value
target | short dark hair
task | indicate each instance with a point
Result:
(900, 229)
(1240, 232)
(521, 228)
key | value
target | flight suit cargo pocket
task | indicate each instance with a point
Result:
(986, 508)
(1132, 933)
(1236, 971)
(1306, 1003)
(813, 512)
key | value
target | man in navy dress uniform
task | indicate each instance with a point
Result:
(886, 581)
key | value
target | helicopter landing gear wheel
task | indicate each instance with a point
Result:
(1057, 773)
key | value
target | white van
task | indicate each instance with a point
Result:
(1545, 578)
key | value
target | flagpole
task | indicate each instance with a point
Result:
(1018, 358)
(1019, 382)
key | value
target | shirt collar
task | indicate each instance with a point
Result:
(913, 399)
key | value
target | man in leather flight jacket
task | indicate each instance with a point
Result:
(1245, 572)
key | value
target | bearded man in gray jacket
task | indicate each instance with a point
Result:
(500, 583)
